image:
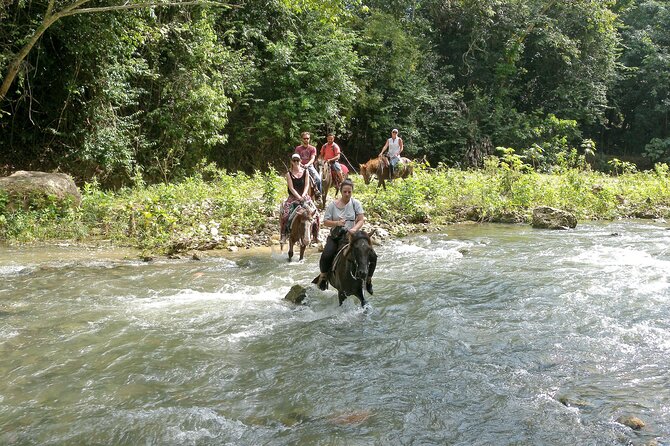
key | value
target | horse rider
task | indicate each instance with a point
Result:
(344, 215)
(307, 154)
(298, 193)
(330, 153)
(394, 145)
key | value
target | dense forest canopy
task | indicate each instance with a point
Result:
(116, 90)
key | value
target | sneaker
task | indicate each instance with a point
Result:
(323, 281)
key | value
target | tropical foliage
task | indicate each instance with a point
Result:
(112, 90)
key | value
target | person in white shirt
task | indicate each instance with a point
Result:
(394, 145)
(344, 215)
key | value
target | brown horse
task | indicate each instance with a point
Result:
(379, 167)
(300, 230)
(331, 178)
(355, 261)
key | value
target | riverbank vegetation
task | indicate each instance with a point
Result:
(214, 208)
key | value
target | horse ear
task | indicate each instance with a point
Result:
(373, 232)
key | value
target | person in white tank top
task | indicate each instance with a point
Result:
(394, 145)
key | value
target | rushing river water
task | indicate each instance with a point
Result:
(484, 335)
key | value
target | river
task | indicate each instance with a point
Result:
(481, 335)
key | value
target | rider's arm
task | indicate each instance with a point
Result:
(311, 160)
(333, 223)
(386, 145)
(401, 145)
(360, 221)
(294, 192)
(328, 217)
(305, 192)
(336, 150)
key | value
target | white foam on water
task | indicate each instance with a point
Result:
(440, 251)
(7, 334)
(190, 297)
(13, 270)
(248, 312)
(643, 332)
(601, 256)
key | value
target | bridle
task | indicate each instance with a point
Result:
(352, 258)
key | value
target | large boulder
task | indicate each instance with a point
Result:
(546, 217)
(28, 188)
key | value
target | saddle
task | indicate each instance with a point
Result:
(341, 252)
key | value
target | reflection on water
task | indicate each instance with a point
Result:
(487, 334)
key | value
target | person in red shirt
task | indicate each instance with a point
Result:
(307, 154)
(330, 152)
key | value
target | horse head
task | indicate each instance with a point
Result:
(304, 219)
(360, 247)
(365, 173)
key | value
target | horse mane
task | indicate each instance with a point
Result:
(359, 235)
(372, 164)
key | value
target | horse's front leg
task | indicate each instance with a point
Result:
(360, 295)
(290, 251)
(302, 251)
(341, 296)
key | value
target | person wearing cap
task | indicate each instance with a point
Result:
(307, 154)
(394, 145)
(298, 193)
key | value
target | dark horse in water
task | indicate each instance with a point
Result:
(352, 266)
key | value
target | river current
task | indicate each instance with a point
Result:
(481, 335)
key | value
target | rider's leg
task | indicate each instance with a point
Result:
(393, 165)
(372, 265)
(337, 173)
(283, 220)
(317, 178)
(326, 262)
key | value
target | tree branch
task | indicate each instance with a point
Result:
(144, 5)
(49, 19)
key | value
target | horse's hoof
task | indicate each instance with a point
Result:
(368, 287)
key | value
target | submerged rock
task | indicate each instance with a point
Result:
(546, 217)
(349, 418)
(633, 422)
(569, 401)
(296, 294)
